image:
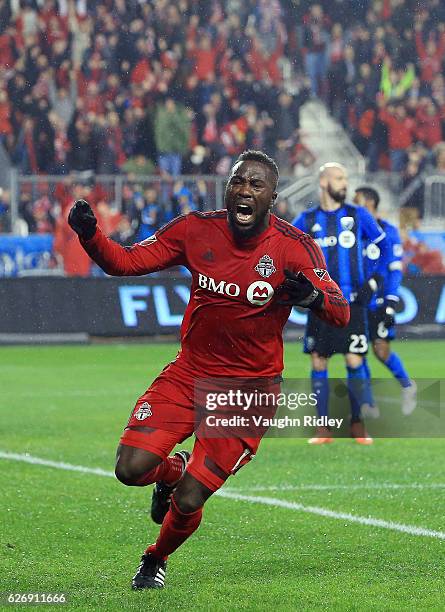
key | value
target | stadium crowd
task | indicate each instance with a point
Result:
(129, 86)
(185, 86)
(182, 87)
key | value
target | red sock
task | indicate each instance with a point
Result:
(169, 471)
(175, 530)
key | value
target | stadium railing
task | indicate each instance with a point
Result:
(435, 198)
(209, 187)
(298, 192)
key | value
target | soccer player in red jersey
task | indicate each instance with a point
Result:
(248, 269)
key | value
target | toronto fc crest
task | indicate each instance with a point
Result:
(143, 412)
(265, 267)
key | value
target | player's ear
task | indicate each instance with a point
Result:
(273, 200)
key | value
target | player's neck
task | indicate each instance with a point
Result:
(246, 239)
(328, 204)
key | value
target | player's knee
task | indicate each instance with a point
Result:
(124, 474)
(190, 495)
(134, 464)
(130, 473)
(381, 351)
(319, 363)
(189, 501)
(353, 360)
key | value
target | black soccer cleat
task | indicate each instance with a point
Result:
(162, 493)
(150, 574)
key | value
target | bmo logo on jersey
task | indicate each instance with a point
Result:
(258, 293)
(346, 239)
(222, 287)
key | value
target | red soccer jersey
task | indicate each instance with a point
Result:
(233, 323)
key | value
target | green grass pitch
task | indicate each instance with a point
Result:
(82, 533)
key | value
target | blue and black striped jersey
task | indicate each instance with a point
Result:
(343, 234)
(385, 259)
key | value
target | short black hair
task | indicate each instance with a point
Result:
(263, 158)
(370, 194)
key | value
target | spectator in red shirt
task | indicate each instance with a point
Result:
(401, 133)
(429, 127)
(7, 49)
(142, 70)
(264, 65)
(431, 55)
(204, 54)
(5, 115)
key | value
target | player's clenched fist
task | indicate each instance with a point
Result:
(300, 291)
(82, 220)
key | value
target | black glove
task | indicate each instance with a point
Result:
(82, 220)
(367, 290)
(389, 318)
(300, 291)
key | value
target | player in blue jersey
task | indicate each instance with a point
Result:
(342, 230)
(383, 263)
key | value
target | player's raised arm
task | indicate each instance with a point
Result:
(309, 285)
(166, 248)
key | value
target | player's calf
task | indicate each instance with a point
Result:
(182, 518)
(176, 528)
(381, 349)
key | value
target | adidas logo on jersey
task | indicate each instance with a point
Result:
(316, 227)
(208, 255)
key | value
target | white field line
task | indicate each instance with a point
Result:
(230, 494)
(344, 516)
(345, 487)
(25, 458)
(304, 487)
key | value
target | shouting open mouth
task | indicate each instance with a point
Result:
(244, 213)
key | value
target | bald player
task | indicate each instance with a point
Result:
(342, 230)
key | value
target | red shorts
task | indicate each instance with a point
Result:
(165, 415)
